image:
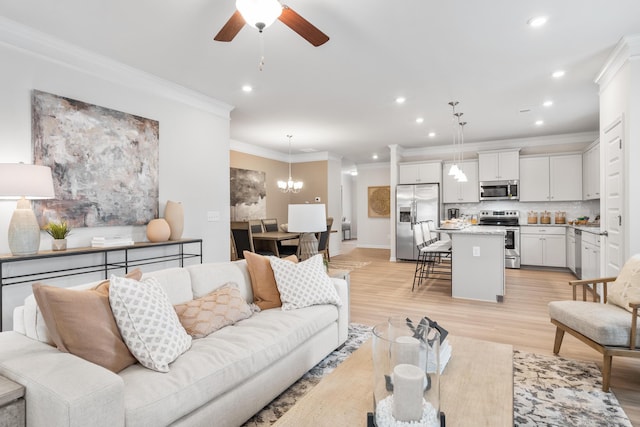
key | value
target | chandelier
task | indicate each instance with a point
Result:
(458, 145)
(290, 186)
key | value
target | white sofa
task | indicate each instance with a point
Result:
(222, 380)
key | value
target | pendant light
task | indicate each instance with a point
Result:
(458, 144)
(290, 186)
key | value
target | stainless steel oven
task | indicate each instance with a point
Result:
(509, 221)
(499, 190)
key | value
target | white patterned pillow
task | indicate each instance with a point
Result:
(147, 321)
(303, 284)
(626, 288)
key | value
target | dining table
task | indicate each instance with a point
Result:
(273, 237)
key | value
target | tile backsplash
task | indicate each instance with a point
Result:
(589, 208)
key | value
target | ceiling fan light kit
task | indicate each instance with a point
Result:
(259, 13)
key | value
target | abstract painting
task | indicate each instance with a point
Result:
(248, 194)
(379, 202)
(104, 162)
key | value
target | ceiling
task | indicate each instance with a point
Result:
(340, 97)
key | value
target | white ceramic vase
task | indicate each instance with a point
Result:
(174, 214)
(59, 245)
(158, 230)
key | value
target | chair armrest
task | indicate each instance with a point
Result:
(634, 324)
(584, 284)
(61, 389)
(342, 287)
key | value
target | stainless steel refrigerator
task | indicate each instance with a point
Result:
(414, 203)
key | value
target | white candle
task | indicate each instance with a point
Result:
(408, 381)
(406, 350)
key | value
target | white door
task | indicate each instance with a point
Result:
(613, 148)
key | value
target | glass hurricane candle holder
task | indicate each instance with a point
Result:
(406, 373)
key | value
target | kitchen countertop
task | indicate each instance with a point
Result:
(474, 229)
(594, 229)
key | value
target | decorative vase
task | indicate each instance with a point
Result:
(59, 245)
(406, 374)
(158, 230)
(174, 214)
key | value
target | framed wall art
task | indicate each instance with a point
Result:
(248, 194)
(379, 201)
(104, 162)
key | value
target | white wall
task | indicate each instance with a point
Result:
(334, 167)
(372, 232)
(194, 135)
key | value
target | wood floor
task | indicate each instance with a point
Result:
(383, 288)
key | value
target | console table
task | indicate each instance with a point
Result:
(121, 254)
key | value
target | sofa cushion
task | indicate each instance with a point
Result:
(626, 287)
(304, 284)
(176, 283)
(219, 363)
(210, 276)
(80, 322)
(263, 282)
(147, 321)
(606, 324)
(222, 307)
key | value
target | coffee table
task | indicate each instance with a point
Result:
(476, 389)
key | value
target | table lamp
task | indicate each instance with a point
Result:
(19, 181)
(307, 219)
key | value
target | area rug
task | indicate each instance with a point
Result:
(548, 391)
(347, 264)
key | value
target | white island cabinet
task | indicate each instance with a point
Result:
(477, 264)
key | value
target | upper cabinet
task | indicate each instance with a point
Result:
(499, 165)
(420, 173)
(551, 178)
(591, 173)
(461, 192)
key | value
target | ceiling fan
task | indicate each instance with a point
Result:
(262, 13)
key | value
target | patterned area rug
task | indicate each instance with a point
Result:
(548, 391)
(347, 265)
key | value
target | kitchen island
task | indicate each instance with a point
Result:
(477, 262)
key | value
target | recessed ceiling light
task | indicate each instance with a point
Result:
(247, 88)
(432, 134)
(537, 21)
(374, 157)
(400, 100)
(354, 173)
(539, 122)
(419, 120)
(548, 103)
(557, 74)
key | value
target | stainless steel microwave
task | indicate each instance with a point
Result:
(499, 190)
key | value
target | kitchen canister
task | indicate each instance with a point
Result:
(545, 218)
(560, 217)
(532, 217)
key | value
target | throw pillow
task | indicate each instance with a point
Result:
(263, 283)
(222, 307)
(80, 322)
(304, 284)
(147, 321)
(626, 287)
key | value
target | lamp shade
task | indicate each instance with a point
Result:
(18, 180)
(259, 13)
(307, 218)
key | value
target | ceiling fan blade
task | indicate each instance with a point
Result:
(303, 27)
(231, 28)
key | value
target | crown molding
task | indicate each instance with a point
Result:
(627, 49)
(317, 156)
(48, 48)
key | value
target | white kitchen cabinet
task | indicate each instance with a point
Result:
(420, 173)
(461, 192)
(543, 246)
(499, 165)
(590, 255)
(591, 173)
(551, 178)
(571, 249)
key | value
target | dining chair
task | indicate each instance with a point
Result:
(270, 224)
(323, 240)
(243, 238)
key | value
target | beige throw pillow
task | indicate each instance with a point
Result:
(80, 322)
(626, 287)
(263, 283)
(222, 307)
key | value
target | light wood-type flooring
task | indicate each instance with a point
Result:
(383, 288)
